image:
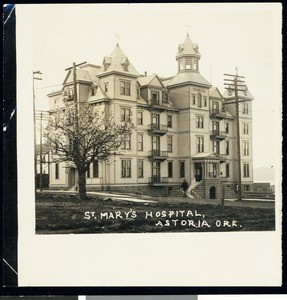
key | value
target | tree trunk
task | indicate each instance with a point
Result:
(82, 185)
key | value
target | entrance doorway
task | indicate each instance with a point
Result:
(212, 192)
(71, 177)
(198, 171)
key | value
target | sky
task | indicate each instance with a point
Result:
(246, 36)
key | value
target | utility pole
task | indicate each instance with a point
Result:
(41, 153)
(75, 91)
(236, 83)
(34, 117)
(76, 103)
(41, 116)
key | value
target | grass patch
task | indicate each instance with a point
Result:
(67, 214)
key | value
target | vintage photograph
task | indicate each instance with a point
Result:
(149, 145)
(146, 126)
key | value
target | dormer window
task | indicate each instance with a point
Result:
(155, 97)
(107, 62)
(93, 91)
(125, 64)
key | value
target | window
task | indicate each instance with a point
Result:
(199, 144)
(227, 127)
(165, 98)
(140, 169)
(169, 144)
(126, 168)
(92, 91)
(215, 146)
(246, 148)
(155, 171)
(215, 107)
(155, 118)
(199, 100)
(126, 144)
(227, 170)
(56, 171)
(155, 142)
(245, 128)
(245, 170)
(125, 114)
(245, 108)
(140, 142)
(169, 121)
(188, 64)
(106, 87)
(138, 93)
(180, 65)
(155, 97)
(199, 122)
(193, 99)
(140, 118)
(170, 169)
(215, 128)
(95, 168)
(227, 148)
(204, 101)
(125, 88)
(181, 169)
(125, 67)
(88, 172)
(195, 65)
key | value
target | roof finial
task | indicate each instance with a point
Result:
(117, 36)
(187, 28)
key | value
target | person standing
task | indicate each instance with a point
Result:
(184, 187)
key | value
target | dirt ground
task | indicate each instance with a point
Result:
(65, 214)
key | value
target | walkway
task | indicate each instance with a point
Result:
(148, 199)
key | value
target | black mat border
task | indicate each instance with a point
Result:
(9, 194)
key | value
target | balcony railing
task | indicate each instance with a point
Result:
(157, 155)
(218, 135)
(158, 128)
(157, 180)
(217, 113)
(158, 103)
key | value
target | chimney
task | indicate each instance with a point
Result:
(145, 73)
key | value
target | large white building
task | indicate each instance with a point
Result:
(184, 130)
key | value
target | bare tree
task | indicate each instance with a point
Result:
(81, 135)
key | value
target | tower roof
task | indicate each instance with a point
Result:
(188, 78)
(188, 48)
(118, 62)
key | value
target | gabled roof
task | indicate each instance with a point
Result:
(186, 77)
(215, 93)
(147, 80)
(116, 62)
(206, 156)
(228, 95)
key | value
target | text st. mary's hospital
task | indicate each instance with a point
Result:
(183, 130)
